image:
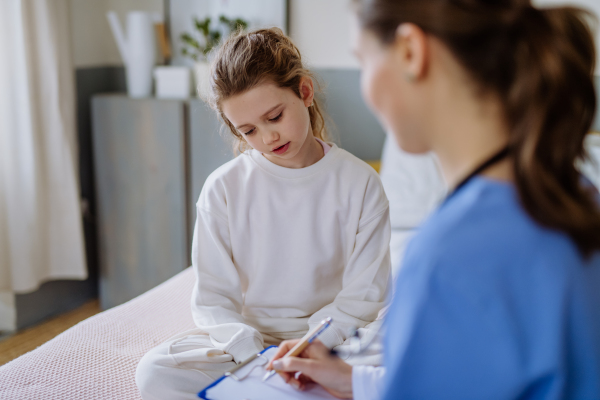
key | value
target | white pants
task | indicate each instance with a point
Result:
(182, 366)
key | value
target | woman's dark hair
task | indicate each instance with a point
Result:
(540, 62)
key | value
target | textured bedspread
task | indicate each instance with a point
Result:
(96, 359)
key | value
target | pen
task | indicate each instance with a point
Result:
(301, 345)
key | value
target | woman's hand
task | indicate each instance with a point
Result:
(316, 365)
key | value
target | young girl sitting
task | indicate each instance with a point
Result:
(292, 231)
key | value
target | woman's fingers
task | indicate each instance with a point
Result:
(316, 365)
(316, 350)
(286, 376)
(295, 364)
(330, 372)
(284, 347)
(303, 379)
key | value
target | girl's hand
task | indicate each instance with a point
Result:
(316, 365)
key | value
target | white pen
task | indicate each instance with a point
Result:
(301, 345)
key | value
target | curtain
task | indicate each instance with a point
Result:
(41, 236)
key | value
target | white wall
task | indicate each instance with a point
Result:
(321, 30)
(92, 40)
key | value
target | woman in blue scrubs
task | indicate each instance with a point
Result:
(499, 293)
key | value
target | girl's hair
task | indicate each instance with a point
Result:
(540, 62)
(247, 59)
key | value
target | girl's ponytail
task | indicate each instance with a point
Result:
(540, 63)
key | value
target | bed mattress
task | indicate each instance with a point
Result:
(96, 359)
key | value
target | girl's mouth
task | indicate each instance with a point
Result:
(282, 149)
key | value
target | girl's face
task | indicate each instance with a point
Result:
(275, 122)
(387, 91)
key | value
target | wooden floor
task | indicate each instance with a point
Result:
(29, 339)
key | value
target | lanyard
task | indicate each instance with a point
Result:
(499, 156)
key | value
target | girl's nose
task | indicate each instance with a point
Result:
(270, 137)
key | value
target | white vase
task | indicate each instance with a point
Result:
(137, 50)
(202, 78)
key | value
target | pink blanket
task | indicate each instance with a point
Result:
(96, 359)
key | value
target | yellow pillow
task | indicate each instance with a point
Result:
(376, 164)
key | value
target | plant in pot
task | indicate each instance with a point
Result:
(198, 45)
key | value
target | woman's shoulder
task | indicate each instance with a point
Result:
(483, 227)
(482, 245)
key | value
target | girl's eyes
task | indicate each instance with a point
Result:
(277, 118)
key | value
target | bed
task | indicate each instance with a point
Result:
(96, 359)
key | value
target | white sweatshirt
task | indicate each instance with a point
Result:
(276, 250)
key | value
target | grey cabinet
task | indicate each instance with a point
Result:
(151, 158)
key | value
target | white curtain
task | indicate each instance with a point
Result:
(40, 221)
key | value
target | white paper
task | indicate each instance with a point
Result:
(252, 387)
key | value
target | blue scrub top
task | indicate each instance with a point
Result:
(491, 305)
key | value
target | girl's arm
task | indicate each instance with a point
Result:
(217, 296)
(366, 275)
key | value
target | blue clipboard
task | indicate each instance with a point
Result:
(203, 393)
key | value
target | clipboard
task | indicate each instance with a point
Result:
(245, 382)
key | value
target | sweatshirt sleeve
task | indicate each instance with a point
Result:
(367, 382)
(217, 296)
(366, 275)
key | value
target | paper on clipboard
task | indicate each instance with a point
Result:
(252, 387)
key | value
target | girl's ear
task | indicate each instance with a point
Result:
(307, 92)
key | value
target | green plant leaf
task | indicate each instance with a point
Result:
(239, 24)
(192, 47)
(190, 41)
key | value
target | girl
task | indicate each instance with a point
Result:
(290, 232)
(498, 296)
